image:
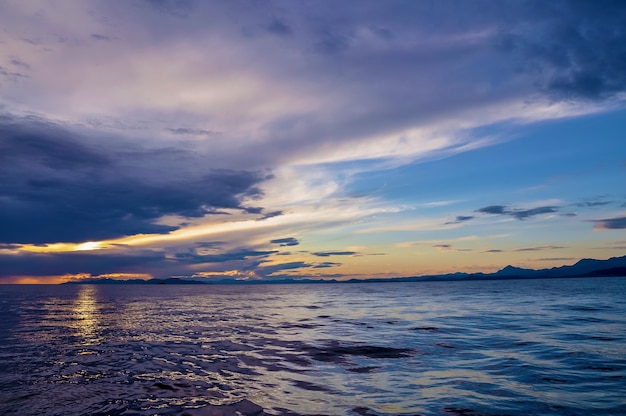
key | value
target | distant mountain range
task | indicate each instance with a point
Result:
(615, 266)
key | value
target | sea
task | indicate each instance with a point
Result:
(462, 348)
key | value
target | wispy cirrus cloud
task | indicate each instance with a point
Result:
(452, 247)
(188, 131)
(613, 245)
(556, 259)
(539, 248)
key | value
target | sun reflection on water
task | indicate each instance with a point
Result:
(86, 312)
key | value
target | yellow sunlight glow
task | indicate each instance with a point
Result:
(196, 231)
(89, 245)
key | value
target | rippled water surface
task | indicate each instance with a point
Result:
(539, 347)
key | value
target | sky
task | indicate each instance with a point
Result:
(264, 140)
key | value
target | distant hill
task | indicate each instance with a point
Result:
(584, 267)
(615, 266)
(107, 281)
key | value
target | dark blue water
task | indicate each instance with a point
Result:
(539, 347)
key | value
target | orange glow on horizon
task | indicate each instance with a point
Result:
(37, 280)
(55, 280)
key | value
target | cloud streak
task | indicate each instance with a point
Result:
(540, 248)
(517, 213)
(460, 219)
(286, 242)
(617, 223)
(334, 253)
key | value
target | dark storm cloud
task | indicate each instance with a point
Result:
(93, 262)
(59, 186)
(578, 48)
(618, 223)
(520, 214)
(334, 253)
(283, 242)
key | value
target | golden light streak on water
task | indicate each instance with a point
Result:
(86, 312)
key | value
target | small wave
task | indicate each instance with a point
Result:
(338, 352)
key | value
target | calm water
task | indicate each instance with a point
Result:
(539, 347)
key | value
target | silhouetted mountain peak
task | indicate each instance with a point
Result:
(585, 266)
(513, 271)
